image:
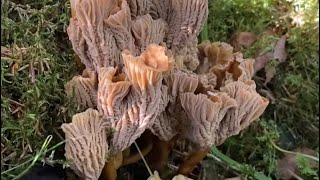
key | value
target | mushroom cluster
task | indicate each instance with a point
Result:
(147, 78)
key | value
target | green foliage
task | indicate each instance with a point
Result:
(228, 17)
(304, 165)
(33, 73)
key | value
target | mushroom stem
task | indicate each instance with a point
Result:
(193, 159)
(136, 156)
(109, 171)
(159, 155)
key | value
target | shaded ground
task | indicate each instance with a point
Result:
(36, 61)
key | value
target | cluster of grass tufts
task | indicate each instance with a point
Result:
(292, 119)
(36, 61)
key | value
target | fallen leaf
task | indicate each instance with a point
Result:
(242, 39)
(280, 50)
(263, 61)
(270, 72)
(287, 166)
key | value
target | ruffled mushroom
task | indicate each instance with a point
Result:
(91, 40)
(168, 123)
(146, 30)
(138, 8)
(205, 115)
(86, 144)
(111, 91)
(146, 70)
(140, 103)
(120, 26)
(129, 48)
(250, 105)
(218, 59)
(84, 89)
(187, 57)
(217, 116)
(177, 82)
(185, 19)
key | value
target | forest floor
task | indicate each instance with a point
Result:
(282, 35)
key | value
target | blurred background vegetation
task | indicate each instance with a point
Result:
(36, 61)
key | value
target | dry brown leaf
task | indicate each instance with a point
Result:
(242, 39)
(263, 61)
(287, 166)
(270, 72)
(280, 50)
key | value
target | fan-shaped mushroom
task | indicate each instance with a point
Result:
(86, 143)
(83, 89)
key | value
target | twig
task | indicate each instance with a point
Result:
(144, 161)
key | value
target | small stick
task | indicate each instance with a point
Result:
(144, 161)
(137, 157)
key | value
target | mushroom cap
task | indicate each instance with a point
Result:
(146, 69)
(185, 19)
(84, 89)
(167, 123)
(86, 144)
(139, 8)
(120, 25)
(111, 91)
(136, 107)
(146, 31)
(205, 114)
(91, 40)
(218, 58)
(217, 116)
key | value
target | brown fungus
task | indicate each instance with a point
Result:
(217, 116)
(86, 144)
(129, 48)
(218, 59)
(91, 40)
(84, 89)
(185, 19)
(146, 31)
(138, 8)
(141, 105)
(111, 91)
(205, 115)
(250, 105)
(120, 26)
(166, 125)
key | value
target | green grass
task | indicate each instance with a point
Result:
(33, 107)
